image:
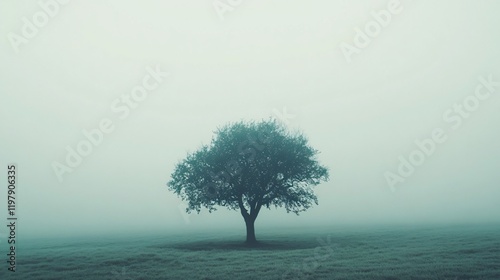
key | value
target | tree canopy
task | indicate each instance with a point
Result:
(249, 165)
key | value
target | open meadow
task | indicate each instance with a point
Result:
(403, 252)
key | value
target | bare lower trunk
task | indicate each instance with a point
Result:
(250, 219)
(250, 231)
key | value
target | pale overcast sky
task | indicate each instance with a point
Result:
(362, 100)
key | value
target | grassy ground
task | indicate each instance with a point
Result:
(341, 253)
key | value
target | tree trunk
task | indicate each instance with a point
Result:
(250, 231)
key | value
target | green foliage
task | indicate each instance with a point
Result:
(250, 165)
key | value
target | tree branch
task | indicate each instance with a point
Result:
(255, 211)
(243, 210)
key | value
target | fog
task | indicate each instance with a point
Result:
(430, 73)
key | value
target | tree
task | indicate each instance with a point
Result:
(249, 165)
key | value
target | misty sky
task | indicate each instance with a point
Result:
(361, 111)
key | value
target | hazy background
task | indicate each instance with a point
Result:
(265, 56)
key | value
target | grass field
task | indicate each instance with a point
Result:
(459, 252)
